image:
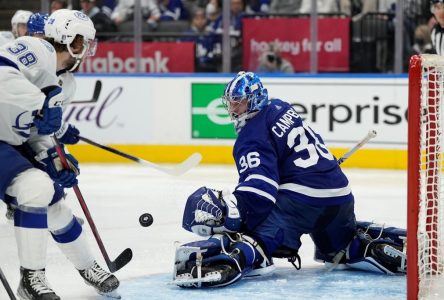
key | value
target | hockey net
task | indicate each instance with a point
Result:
(425, 217)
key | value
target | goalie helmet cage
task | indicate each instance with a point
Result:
(425, 207)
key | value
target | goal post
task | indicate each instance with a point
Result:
(425, 218)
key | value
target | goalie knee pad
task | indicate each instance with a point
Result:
(218, 261)
(378, 253)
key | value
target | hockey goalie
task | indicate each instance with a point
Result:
(289, 185)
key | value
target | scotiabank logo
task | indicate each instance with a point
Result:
(114, 64)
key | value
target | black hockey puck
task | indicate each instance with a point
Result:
(146, 219)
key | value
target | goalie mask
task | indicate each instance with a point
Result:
(243, 97)
(64, 25)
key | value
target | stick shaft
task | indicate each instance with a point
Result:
(83, 205)
(177, 170)
(371, 134)
(6, 285)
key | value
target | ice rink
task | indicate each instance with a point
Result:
(118, 194)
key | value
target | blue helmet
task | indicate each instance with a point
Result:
(245, 86)
(36, 23)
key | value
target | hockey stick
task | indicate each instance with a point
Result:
(176, 170)
(127, 254)
(96, 94)
(6, 285)
(371, 134)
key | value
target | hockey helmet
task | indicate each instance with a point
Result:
(36, 23)
(20, 17)
(64, 25)
(245, 86)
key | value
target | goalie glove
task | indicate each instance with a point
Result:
(207, 213)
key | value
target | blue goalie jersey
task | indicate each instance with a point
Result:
(276, 152)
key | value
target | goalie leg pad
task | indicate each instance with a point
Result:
(381, 255)
(397, 235)
(198, 265)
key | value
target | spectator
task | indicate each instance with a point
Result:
(208, 51)
(172, 10)
(437, 35)
(58, 4)
(285, 6)
(237, 12)
(258, 6)
(124, 11)
(271, 61)
(237, 8)
(101, 21)
(327, 7)
(422, 41)
(213, 11)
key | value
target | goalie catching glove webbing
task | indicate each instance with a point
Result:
(207, 213)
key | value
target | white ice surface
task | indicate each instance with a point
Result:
(118, 194)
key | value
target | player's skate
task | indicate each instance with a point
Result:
(104, 282)
(34, 286)
(10, 210)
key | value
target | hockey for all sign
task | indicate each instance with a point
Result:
(209, 118)
(291, 38)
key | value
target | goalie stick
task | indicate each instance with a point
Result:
(178, 169)
(96, 94)
(6, 285)
(371, 134)
(124, 257)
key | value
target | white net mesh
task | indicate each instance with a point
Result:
(431, 216)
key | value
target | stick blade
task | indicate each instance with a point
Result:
(122, 260)
(192, 161)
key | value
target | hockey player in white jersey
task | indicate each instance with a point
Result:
(67, 134)
(19, 22)
(31, 175)
(289, 185)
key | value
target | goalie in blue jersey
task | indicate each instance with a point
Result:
(289, 185)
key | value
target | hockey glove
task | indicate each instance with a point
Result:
(68, 134)
(49, 118)
(206, 214)
(53, 166)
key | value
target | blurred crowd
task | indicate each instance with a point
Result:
(371, 38)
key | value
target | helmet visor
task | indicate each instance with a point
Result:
(90, 46)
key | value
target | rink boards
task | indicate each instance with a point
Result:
(165, 118)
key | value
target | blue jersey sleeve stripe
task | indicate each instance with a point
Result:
(263, 178)
(257, 191)
(318, 193)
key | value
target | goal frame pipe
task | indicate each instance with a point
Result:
(413, 181)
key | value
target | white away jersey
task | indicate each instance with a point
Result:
(26, 65)
(6, 37)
